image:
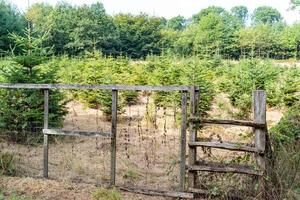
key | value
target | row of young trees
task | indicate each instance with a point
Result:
(213, 31)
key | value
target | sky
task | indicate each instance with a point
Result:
(171, 8)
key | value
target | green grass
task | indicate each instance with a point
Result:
(106, 194)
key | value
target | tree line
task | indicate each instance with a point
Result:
(214, 31)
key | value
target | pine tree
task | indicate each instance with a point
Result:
(22, 110)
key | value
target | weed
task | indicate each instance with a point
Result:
(105, 194)
(7, 164)
(78, 168)
(131, 176)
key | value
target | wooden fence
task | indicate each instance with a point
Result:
(195, 122)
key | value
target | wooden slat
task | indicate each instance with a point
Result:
(194, 99)
(45, 142)
(174, 194)
(224, 145)
(206, 193)
(75, 133)
(113, 151)
(95, 87)
(229, 122)
(183, 140)
(259, 112)
(198, 191)
(217, 167)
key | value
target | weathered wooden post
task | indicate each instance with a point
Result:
(46, 126)
(194, 99)
(113, 137)
(183, 139)
(259, 112)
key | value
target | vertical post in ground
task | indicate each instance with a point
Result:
(183, 139)
(113, 137)
(259, 112)
(46, 125)
(194, 99)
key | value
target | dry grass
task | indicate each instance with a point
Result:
(146, 156)
(57, 190)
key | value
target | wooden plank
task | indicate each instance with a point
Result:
(174, 194)
(75, 133)
(95, 87)
(229, 122)
(259, 113)
(220, 168)
(205, 193)
(113, 137)
(198, 191)
(183, 140)
(225, 145)
(46, 124)
(194, 98)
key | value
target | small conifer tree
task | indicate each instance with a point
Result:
(21, 110)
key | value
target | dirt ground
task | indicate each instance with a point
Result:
(147, 152)
(57, 190)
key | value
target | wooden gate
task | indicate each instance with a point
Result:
(259, 126)
(194, 122)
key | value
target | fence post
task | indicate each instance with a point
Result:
(113, 137)
(46, 124)
(194, 99)
(183, 139)
(259, 112)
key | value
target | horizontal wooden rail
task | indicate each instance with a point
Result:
(228, 122)
(224, 145)
(75, 133)
(95, 87)
(207, 193)
(174, 194)
(221, 168)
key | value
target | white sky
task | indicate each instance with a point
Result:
(171, 8)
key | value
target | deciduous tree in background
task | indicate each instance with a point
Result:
(11, 20)
(265, 15)
(240, 12)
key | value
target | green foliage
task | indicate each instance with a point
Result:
(284, 174)
(214, 31)
(7, 164)
(259, 41)
(215, 35)
(98, 70)
(207, 11)
(156, 70)
(288, 129)
(138, 35)
(240, 12)
(247, 76)
(291, 87)
(4, 196)
(295, 4)
(171, 71)
(131, 176)
(11, 20)
(22, 110)
(290, 40)
(105, 194)
(177, 23)
(266, 15)
(93, 30)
